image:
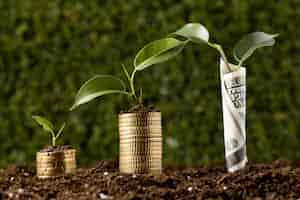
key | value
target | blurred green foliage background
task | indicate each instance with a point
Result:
(49, 48)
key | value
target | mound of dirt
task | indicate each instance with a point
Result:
(277, 180)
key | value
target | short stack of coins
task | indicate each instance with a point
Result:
(140, 142)
(56, 163)
(50, 164)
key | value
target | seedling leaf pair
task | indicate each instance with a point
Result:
(49, 127)
(197, 33)
(153, 53)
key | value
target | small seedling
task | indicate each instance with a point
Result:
(153, 53)
(49, 127)
(197, 33)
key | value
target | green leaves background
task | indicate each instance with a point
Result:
(49, 49)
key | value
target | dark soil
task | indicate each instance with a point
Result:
(277, 180)
(57, 148)
(141, 108)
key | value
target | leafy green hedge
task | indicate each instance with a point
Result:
(49, 48)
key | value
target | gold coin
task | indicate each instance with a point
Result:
(138, 149)
(140, 128)
(142, 115)
(146, 123)
(140, 139)
(156, 122)
(153, 135)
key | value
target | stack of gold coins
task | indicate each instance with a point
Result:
(70, 161)
(140, 142)
(50, 164)
(56, 163)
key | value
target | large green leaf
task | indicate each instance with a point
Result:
(98, 86)
(157, 52)
(47, 125)
(249, 43)
(193, 31)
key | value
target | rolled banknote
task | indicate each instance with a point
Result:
(233, 87)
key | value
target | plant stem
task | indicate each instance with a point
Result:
(53, 141)
(53, 138)
(141, 97)
(240, 63)
(132, 84)
(223, 56)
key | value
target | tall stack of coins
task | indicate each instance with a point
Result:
(56, 163)
(140, 142)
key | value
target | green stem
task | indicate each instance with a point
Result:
(53, 141)
(141, 97)
(53, 138)
(132, 84)
(223, 56)
(240, 63)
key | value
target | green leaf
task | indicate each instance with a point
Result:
(195, 32)
(249, 43)
(47, 125)
(125, 72)
(98, 86)
(157, 52)
(60, 130)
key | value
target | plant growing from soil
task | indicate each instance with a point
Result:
(153, 53)
(49, 127)
(139, 129)
(233, 87)
(54, 160)
(197, 33)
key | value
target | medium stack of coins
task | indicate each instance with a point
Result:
(56, 163)
(140, 142)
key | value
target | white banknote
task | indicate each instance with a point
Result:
(233, 86)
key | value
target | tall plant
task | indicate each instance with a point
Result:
(153, 53)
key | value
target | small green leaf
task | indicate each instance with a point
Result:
(125, 72)
(193, 31)
(98, 86)
(47, 125)
(249, 43)
(157, 52)
(60, 130)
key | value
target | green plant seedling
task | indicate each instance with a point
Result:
(153, 53)
(197, 33)
(49, 127)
